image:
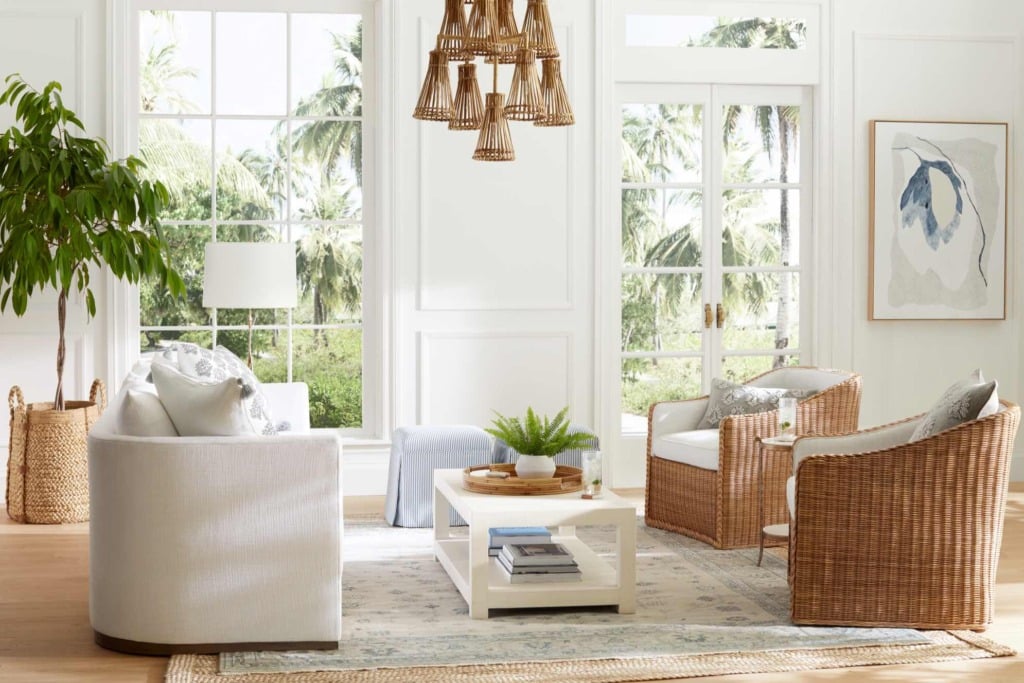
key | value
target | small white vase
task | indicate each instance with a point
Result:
(535, 467)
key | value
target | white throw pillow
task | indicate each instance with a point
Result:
(220, 364)
(969, 399)
(200, 408)
(142, 414)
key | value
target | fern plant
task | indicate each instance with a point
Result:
(534, 435)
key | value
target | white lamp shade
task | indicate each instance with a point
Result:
(250, 275)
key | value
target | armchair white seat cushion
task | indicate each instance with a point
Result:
(209, 544)
(698, 448)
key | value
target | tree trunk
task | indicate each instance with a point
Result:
(62, 315)
(782, 318)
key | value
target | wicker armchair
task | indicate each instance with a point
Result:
(889, 533)
(716, 501)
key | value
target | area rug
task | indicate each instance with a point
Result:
(700, 612)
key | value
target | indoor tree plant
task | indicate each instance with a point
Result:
(537, 440)
(67, 212)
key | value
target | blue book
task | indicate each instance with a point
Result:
(496, 531)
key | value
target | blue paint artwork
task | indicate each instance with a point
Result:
(916, 203)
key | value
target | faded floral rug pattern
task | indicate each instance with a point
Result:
(400, 609)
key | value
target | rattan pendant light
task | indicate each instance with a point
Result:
(557, 110)
(525, 102)
(469, 105)
(435, 103)
(491, 32)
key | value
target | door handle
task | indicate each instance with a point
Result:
(720, 316)
(707, 316)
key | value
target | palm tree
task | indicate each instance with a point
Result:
(340, 95)
(773, 122)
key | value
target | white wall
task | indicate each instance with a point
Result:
(62, 40)
(954, 60)
(494, 261)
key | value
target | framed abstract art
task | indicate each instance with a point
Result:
(938, 221)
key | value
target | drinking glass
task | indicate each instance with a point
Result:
(592, 473)
(787, 418)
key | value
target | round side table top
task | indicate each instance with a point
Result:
(777, 530)
(777, 442)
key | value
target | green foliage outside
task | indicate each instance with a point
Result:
(537, 435)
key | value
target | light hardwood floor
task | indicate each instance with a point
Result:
(45, 634)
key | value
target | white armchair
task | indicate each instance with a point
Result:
(213, 544)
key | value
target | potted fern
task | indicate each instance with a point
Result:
(537, 440)
(67, 213)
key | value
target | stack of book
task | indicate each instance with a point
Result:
(504, 535)
(538, 563)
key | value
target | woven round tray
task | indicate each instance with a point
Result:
(566, 480)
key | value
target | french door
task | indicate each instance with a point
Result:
(715, 203)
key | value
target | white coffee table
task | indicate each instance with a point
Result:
(481, 581)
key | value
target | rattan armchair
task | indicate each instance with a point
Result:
(889, 533)
(718, 503)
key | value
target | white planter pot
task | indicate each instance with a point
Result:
(535, 467)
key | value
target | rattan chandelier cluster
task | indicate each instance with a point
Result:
(491, 32)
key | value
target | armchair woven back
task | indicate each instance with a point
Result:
(907, 536)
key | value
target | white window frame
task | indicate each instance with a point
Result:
(123, 322)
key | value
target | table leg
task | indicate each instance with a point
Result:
(479, 569)
(760, 502)
(626, 562)
(442, 529)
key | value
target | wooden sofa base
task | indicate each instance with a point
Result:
(134, 647)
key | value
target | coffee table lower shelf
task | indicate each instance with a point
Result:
(598, 585)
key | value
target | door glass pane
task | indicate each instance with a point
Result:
(153, 340)
(762, 311)
(327, 173)
(661, 228)
(252, 169)
(755, 138)
(661, 143)
(661, 313)
(761, 228)
(649, 380)
(742, 368)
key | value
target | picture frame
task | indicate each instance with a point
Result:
(938, 213)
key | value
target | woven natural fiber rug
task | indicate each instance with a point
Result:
(700, 612)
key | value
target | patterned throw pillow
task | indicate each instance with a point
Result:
(220, 364)
(728, 398)
(968, 399)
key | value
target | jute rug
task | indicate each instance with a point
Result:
(700, 612)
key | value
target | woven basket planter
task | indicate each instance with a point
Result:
(48, 468)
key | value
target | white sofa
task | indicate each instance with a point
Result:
(213, 544)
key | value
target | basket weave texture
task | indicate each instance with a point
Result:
(48, 468)
(721, 507)
(907, 536)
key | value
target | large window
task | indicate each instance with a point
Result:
(253, 116)
(713, 191)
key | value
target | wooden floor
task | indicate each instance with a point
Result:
(45, 634)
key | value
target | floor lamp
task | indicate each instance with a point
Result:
(250, 275)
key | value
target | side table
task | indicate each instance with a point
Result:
(766, 444)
